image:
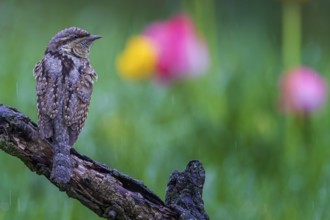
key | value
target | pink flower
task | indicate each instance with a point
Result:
(180, 52)
(302, 91)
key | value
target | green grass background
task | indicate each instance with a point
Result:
(259, 164)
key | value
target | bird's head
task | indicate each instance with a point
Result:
(74, 41)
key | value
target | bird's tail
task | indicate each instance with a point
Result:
(62, 165)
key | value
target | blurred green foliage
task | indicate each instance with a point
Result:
(259, 163)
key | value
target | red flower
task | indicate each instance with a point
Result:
(180, 52)
(302, 90)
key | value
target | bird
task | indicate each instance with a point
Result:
(64, 85)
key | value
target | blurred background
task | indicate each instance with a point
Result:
(260, 163)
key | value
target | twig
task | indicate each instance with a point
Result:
(106, 191)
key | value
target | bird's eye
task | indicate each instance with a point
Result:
(75, 37)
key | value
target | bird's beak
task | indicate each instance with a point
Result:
(93, 37)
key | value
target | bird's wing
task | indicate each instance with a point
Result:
(48, 92)
(77, 101)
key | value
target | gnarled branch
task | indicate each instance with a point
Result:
(106, 191)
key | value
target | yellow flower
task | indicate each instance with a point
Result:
(138, 60)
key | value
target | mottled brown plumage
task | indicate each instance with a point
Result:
(64, 87)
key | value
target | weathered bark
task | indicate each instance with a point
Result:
(106, 191)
